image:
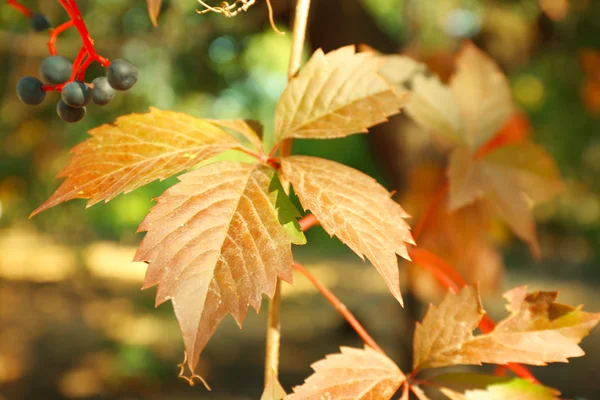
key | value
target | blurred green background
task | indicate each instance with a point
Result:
(73, 323)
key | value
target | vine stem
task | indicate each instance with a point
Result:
(441, 270)
(273, 322)
(431, 210)
(19, 7)
(340, 307)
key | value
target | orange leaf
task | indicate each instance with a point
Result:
(215, 243)
(248, 129)
(446, 327)
(154, 10)
(356, 209)
(336, 94)
(136, 150)
(512, 178)
(483, 95)
(353, 374)
(537, 331)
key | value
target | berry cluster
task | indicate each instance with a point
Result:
(67, 78)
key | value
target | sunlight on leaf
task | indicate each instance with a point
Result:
(134, 151)
(537, 331)
(215, 244)
(511, 178)
(476, 117)
(356, 209)
(446, 327)
(336, 94)
(351, 374)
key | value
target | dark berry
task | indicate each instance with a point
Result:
(76, 94)
(39, 22)
(68, 113)
(29, 90)
(55, 70)
(102, 92)
(122, 75)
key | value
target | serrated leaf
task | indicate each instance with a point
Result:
(154, 10)
(512, 178)
(537, 332)
(356, 209)
(517, 389)
(273, 390)
(214, 243)
(447, 327)
(434, 107)
(472, 116)
(472, 386)
(134, 151)
(483, 95)
(335, 95)
(351, 374)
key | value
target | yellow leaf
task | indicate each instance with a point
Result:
(356, 209)
(537, 331)
(483, 95)
(335, 95)
(215, 243)
(351, 374)
(136, 150)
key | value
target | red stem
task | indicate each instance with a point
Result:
(340, 307)
(308, 222)
(54, 35)
(19, 7)
(73, 10)
(448, 277)
(430, 212)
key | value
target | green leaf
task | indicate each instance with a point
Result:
(487, 387)
(287, 212)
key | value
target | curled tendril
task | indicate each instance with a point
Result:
(190, 379)
(233, 9)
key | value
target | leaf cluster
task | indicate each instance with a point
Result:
(222, 236)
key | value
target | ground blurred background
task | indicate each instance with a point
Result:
(73, 322)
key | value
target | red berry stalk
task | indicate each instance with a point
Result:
(69, 79)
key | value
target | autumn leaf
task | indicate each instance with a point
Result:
(250, 130)
(447, 327)
(336, 94)
(136, 150)
(470, 117)
(154, 10)
(351, 374)
(356, 209)
(273, 390)
(216, 241)
(401, 70)
(511, 178)
(463, 238)
(469, 386)
(537, 331)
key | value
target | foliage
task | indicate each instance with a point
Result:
(222, 236)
